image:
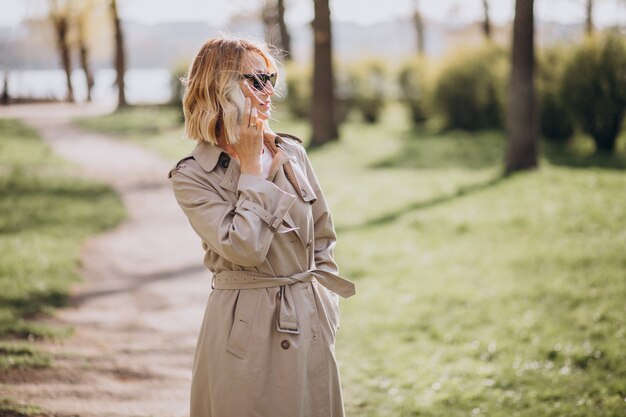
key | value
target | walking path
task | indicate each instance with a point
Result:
(138, 311)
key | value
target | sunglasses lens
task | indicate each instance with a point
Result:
(260, 80)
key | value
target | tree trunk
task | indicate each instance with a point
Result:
(84, 59)
(61, 26)
(487, 21)
(120, 59)
(418, 21)
(285, 39)
(323, 106)
(589, 19)
(5, 89)
(521, 150)
(268, 15)
(276, 33)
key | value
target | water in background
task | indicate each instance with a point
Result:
(148, 85)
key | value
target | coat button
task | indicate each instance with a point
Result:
(303, 192)
(224, 160)
(308, 244)
(285, 344)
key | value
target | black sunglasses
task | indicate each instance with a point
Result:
(259, 80)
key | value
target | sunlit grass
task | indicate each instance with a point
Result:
(477, 295)
(158, 128)
(45, 213)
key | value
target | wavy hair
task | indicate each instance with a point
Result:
(218, 64)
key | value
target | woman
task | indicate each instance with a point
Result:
(266, 345)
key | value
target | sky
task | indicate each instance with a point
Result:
(217, 12)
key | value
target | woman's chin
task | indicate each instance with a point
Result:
(264, 115)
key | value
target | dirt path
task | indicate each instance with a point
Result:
(137, 314)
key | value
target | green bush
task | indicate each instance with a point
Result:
(594, 88)
(557, 124)
(297, 98)
(413, 92)
(177, 89)
(470, 89)
(363, 86)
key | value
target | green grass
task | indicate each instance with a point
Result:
(45, 213)
(477, 295)
(156, 127)
(9, 408)
(21, 355)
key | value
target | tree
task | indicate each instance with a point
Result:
(589, 17)
(589, 6)
(83, 18)
(276, 32)
(268, 14)
(521, 152)
(120, 59)
(323, 102)
(418, 21)
(487, 21)
(285, 39)
(59, 13)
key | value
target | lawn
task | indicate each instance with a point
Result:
(45, 213)
(477, 295)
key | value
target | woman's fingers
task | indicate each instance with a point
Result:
(253, 92)
(253, 117)
(245, 120)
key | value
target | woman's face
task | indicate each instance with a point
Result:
(260, 99)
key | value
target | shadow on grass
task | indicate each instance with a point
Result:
(18, 314)
(559, 156)
(137, 282)
(27, 202)
(419, 205)
(33, 303)
(422, 149)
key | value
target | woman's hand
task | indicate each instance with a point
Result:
(250, 145)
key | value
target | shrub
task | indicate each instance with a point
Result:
(557, 123)
(363, 86)
(413, 89)
(470, 89)
(594, 88)
(297, 98)
(177, 89)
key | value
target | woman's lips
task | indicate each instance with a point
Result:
(265, 108)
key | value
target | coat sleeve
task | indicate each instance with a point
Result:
(324, 230)
(240, 232)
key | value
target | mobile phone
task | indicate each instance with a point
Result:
(235, 95)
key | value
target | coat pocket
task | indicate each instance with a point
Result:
(245, 311)
(330, 303)
(337, 314)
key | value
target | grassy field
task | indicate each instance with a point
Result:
(155, 127)
(45, 213)
(477, 295)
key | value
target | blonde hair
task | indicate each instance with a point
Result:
(207, 108)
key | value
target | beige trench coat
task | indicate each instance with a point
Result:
(266, 345)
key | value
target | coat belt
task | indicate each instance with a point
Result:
(287, 321)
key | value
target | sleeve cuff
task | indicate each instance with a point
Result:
(263, 198)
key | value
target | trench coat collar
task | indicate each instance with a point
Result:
(208, 155)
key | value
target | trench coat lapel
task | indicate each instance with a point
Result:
(278, 168)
